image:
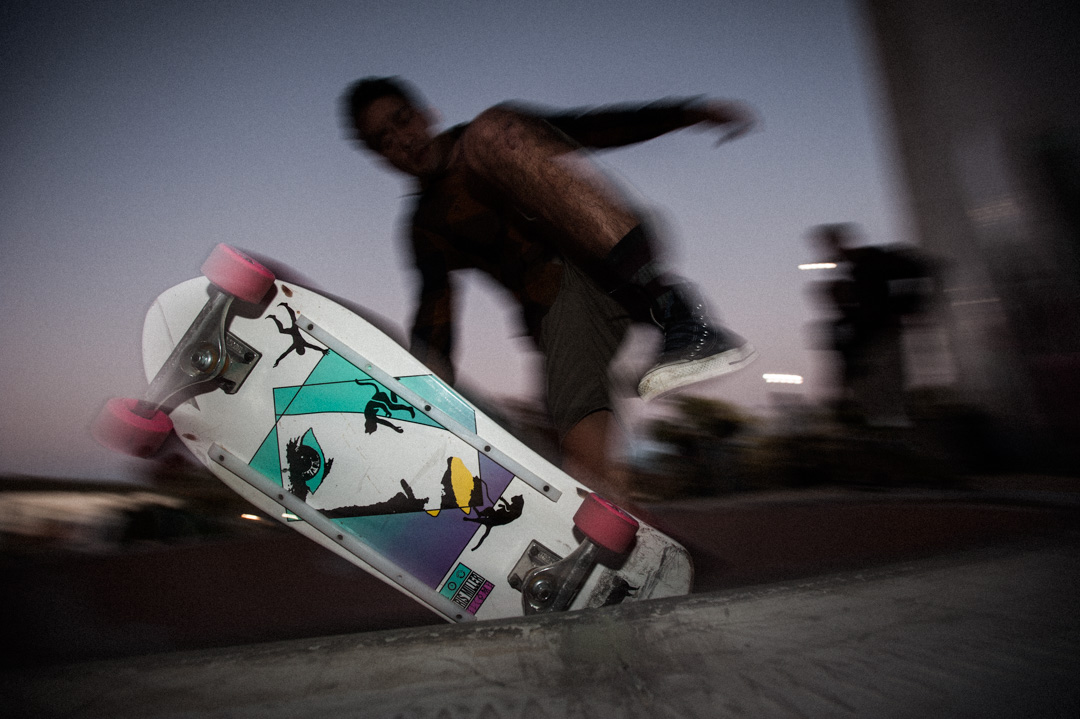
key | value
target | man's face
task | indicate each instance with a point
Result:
(401, 134)
(828, 244)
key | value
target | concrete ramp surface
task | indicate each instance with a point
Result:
(986, 633)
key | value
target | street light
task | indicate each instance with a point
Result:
(783, 378)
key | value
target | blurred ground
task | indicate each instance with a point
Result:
(827, 556)
(984, 632)
(274, 584)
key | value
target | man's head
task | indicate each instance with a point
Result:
(833, 239)
(389, 117)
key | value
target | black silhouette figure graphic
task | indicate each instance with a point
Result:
(498, 514)
(299, 345)
(401, 503)
(304, 464)
(380, 401)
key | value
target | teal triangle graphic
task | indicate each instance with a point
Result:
(438, 393)
(336, 385)
(283, 397)
(267, 460)
(334, 368)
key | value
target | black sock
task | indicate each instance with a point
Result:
(631, 263)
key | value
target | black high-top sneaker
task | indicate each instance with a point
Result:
(695, 349)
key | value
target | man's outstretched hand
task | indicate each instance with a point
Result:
(732, 119)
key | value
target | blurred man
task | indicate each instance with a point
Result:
(513, 193)
(881, 287)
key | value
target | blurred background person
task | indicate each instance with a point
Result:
(878, 288)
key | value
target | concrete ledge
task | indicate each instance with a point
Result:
(991, 632)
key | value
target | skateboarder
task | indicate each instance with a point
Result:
(513, 193)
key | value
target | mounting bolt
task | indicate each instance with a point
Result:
(542, 589)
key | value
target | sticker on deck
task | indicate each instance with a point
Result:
(466, 588)
(384, 471)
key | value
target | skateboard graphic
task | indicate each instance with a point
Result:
(326, 424)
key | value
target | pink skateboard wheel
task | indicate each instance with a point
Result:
(605, 524)
(237, 274)
(120, 429)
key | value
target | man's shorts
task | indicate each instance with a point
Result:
(579, 337)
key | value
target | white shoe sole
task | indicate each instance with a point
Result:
(662, 380)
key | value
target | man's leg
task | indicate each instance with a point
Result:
(548, 175)
(587, 456)
(580, 335)
(695, 347)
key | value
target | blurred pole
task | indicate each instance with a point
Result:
(984, 100)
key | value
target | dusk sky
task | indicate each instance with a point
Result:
(134, 136)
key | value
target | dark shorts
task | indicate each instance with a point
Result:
(579, 336)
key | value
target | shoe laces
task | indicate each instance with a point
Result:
(686, 327)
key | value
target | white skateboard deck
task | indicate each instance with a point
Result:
(344, 436)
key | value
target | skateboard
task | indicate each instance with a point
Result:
(325, 423)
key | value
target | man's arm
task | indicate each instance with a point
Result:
(618, 125)
(431, 339)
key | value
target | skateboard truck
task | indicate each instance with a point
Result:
(551, 587)
(206, 353)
